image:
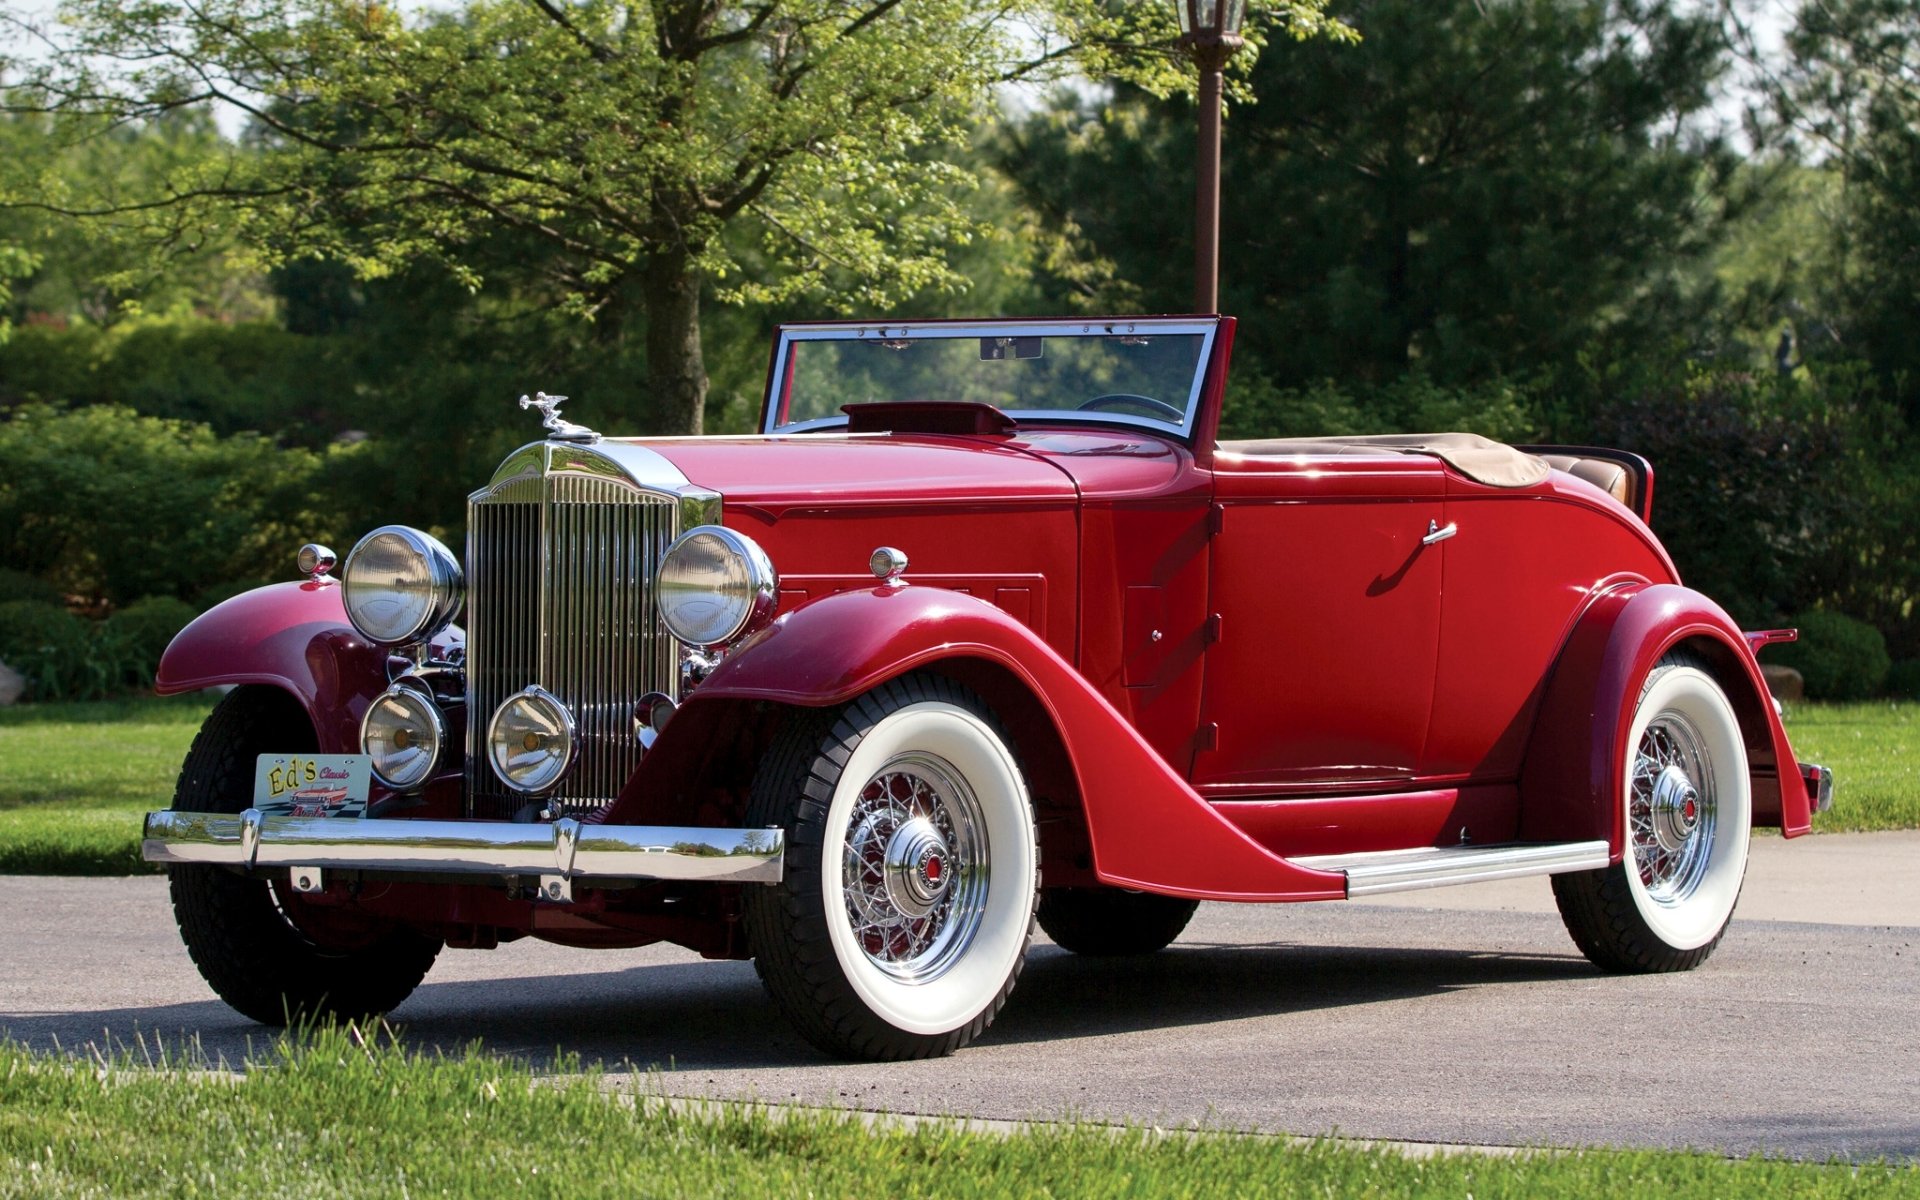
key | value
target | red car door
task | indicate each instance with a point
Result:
(1328, 611)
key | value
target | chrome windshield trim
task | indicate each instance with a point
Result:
(493, 849)
(1207, 328)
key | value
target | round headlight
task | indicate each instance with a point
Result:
(401, 736)
(401, 585)
(715, 585)
(531, 740)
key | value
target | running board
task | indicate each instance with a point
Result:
(1384, 871)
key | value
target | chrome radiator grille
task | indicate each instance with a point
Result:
(560, 564)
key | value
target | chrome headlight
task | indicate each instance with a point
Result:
(715, 585)
(401, 735)
(400, 585)
(531, 740)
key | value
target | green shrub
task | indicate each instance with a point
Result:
(1839, 657)
(66, 657)
(1903, 679)
(1411, 404)
(112, 506)
(1760, 483)
(18, 585)
(51, 648)
(138, 634)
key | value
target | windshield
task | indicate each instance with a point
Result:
(1137, 372)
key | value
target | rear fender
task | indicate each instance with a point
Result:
(293, 636)
(1575, 764)
(1146, 828)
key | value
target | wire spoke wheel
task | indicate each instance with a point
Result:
(908, 902)
(1671, 809)
(914, 868)
(1688, 814)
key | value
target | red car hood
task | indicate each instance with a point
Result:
(858, 469)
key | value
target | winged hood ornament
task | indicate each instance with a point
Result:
(562, 430)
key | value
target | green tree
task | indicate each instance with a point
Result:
(118, 267)
(1847, 96)
(649, 150)
(1474, 190)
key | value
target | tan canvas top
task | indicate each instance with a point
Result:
(1479, 459)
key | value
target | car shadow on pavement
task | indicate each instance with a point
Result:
(701, 1015)
(1063, 995)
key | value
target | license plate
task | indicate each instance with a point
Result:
(312, 785)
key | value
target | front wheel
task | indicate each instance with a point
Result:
(264, 949)
(1689, 813)
(911, 873)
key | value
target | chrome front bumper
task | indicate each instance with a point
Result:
(557, 854)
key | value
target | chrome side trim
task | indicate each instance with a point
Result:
(1384, 871)
(565, 849)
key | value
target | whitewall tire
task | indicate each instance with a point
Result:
(1688, 818)
(912, 872)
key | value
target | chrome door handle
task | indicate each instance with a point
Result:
(1435, 533)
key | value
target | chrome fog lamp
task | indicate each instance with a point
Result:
(715, 585)
(400, 585)
(401, 735)
(531, 740)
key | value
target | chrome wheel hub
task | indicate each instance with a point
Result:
(917, 867)
(1671, 809)
(1676, 809)
(913, 869)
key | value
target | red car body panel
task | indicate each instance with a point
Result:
(293, 636)
(1576, 757)
(1147, 827)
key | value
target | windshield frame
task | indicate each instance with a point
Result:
(775, 399)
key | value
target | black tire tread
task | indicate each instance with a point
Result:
(233, 927)
(786, 924)
(1104, 922)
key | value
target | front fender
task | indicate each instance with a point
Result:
(1574, 771)
(1147, 828)
(294, 636)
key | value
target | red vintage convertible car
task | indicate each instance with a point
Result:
(983, 627)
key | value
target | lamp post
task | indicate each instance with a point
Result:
(1210, 32)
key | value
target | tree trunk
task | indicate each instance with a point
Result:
(676, 367)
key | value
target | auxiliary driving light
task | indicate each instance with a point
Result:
(401, 736)
(531, 740)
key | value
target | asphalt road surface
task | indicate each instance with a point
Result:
(1475, 1023)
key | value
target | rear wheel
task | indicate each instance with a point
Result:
(1111, 922)
(264, 949)
(911, 872)
(1689, 813)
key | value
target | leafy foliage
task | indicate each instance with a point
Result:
(1848, 92)
(1470, 193)
(113, 506)
(1839, 657)
(623, 143)
(1758, 481)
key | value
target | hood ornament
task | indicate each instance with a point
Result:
(563, 429)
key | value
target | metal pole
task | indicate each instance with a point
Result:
(1206, 207)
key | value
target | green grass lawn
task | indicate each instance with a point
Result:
(74, 778)
(333, 1118)
(1874, 752)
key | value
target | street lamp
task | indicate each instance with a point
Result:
(1210, 32)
